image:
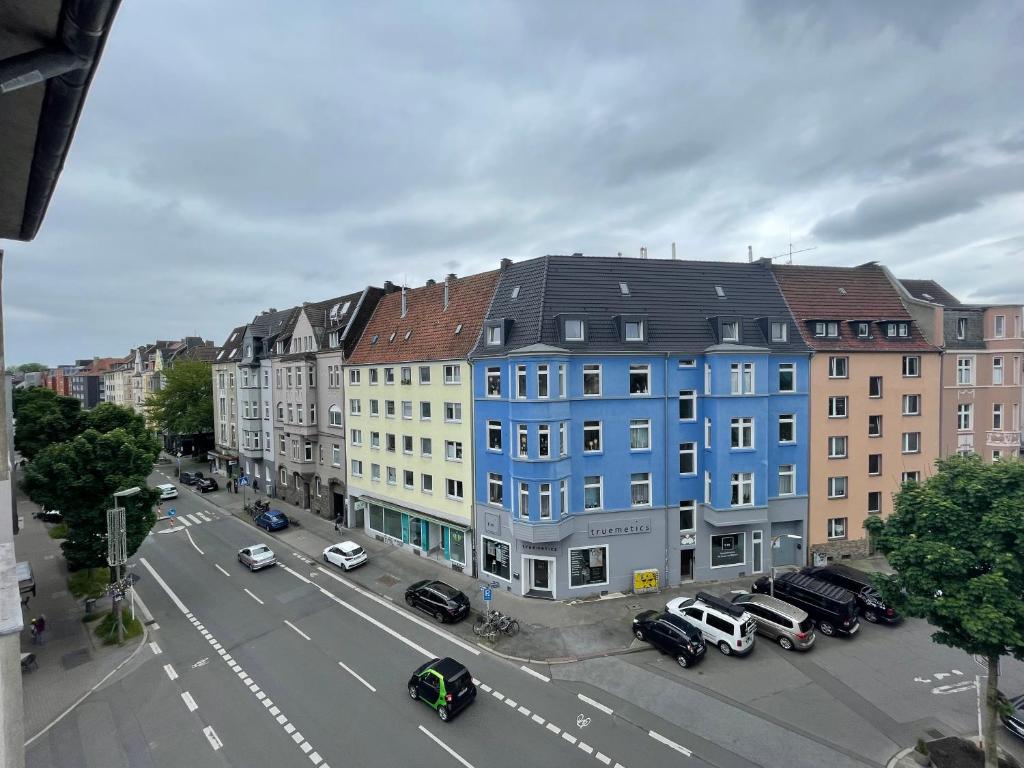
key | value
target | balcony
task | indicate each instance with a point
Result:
(541, 532)
(1003, 438)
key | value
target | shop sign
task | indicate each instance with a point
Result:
(525, 545)
(392, 540)
(687, 540)
(645, 581)
(597, 529)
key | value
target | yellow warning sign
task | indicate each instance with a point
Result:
(645, 581)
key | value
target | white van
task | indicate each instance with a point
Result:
(722, 623)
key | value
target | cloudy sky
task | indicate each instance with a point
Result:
(235, 156)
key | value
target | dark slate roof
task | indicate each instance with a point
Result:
(929, 290)
(677, 297)
(231, 349)
(270, 322)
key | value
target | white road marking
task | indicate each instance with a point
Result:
(203, 515)
(497, 695)
(568, 737)
(194, 519)
(303, 634)
(197, 549)
(170, 672)
(603, 758)
(250, 594)
(289, 728)
(535, 673)
(484, 687)
(170, 593)
(586, 748)
(524, 711)
(315, 758)
(594, 704)
(297, 737)
(155, 649)
(254, 687)
(183, 520)
(211, 736)
(446, 748)
(669, 743)
(154, 625)
(305, 747)
(348, 669)
(553, 728)
(189, 701)
(537, 719)
(281, 719)
(512, 703)
(275, 711)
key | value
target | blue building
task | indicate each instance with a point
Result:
(638, 423)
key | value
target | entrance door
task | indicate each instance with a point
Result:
(339, 508)
(305, 495)
(757, 549)
(540, 576)
(686, 564)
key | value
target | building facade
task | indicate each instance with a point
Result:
(638, 423)
(224, 458)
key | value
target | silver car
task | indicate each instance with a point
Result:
(786, 624)
(257, 556)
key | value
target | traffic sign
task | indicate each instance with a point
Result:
(487, 594)
(243, 480)
(494, 585)
(171, 512)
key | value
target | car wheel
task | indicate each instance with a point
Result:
(326, 559)
(409, 601)
(442, 712)
(682, 661)
(638, 633)
(724, 648)
(786, 643)
(870, 615)
(826, 628)
(412, 692)
(439, 617)
(252, 568)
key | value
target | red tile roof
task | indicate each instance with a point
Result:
(847, 294)
(433, 327)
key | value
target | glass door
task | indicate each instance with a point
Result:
(540, 575)
(757, 548)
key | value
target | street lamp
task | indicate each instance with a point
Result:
(779, 537)
(117, 548)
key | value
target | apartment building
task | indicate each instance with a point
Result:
(874, 399)
(117, 382)
(224, 370)
(409, 406)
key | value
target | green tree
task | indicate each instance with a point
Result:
(955, 542)
(30, 368)
(43, 417)
(80, 476)
(106, 417)
(184, 404)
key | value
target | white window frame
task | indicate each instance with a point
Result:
(456, 412)
(839, 367)
(600, 436)
(483, 549)
(524, 501)
(639, 368)
(544, 493)
(543, 430)
(572, 323)
(689, 450)
(779, 331)
(739, 481)
(789, 473)
(592, 369)
(730, 330)
(688, 396)
(791, 368)
(600, 492)
(999, 326)
(453, 450)
(911, 442)
(741, 433)
(965, 370)
(838, 446)
(543, 381)
(452, 373)
(521, 382)
(448, 494)
(838, 486)
(787, 418)
(832, 526)
(997, 416)
(494, 373)
(355, 406)
(965, 417)
(492, 426)
(644, 426)
(908, 401)
(997, 370)
(836, 400)
(650, 489)
(637, 326)
(495, 480)
(607, 567)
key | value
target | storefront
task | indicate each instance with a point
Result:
(424, 534)
(223, 463)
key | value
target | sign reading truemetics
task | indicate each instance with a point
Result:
(597, 529)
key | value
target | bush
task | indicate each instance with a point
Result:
(59, 531)
(89, 582)
(106, 630)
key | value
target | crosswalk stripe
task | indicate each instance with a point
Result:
(194, 519)
(186, 522)
(203, 515)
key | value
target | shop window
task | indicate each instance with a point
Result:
(496, 558)
(727, 549)
(588, 566)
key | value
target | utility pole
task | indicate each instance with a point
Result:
(117, 548)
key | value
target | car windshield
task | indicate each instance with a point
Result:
(445, 591)
(805, 625)
(457, 683)
(354, 551)
(261, 549)
(275, 515)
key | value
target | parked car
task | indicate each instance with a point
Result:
(672, 635)
(786, 624)
(26, 580)
(869, 602)
(1013, 719)
(272, 520)
(167, 491)
(445, 685)
(256, 557)
(205, 484)
(833, 609)
(49, 516)
(442, 601)
(345, 554)
(190, 478)
(727, 626)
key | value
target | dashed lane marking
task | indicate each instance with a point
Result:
(222, 570)
(357, 677)
(189, 701)
(170, 672)
(603, 758)
(568, 737)
(669, 743)
(446, 748)
(553, 728)
(211, 736)
(595, 704)
(303, 634)
(155, 649)
(250, 594)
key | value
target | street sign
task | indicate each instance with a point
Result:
(487, 594)
(243, 480)
(171, 512)
(495, 585)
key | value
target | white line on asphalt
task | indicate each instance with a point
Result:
(357, 677)
(189, 701)
(297, 737)
(194, 544)
(194, 519)
(586, 747)
(204, 516)
(594, 704)
(211, 736)
(155, 649)
(170, 672)
(186, 522)
(553, 728)
(296, 629)
(222, 570)
(315, 758)
(524, 710)
(170, 593)
(669, 743)
(536, 674)
(512, 703)
(446, 748)
(603, 758)
(484, 687)
(281, 719)
(537, 719)
(568, 737)
(250, 594)
(305, 747)
(497, 695)
(289, 728)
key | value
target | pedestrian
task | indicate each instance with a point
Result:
(41, 629)
(34, 632)
(255, 483)
(234, 485)
(337, 517)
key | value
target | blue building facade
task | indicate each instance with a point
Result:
(625, 438)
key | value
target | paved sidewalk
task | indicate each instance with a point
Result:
(552, 631)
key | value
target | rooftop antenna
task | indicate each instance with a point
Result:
(789, 254)
(643, 251)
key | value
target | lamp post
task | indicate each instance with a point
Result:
(117, 548)
(779, 537)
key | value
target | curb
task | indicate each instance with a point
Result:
(895, 759)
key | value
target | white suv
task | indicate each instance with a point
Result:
(722, 623)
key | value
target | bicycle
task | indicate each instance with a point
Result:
(493, 622)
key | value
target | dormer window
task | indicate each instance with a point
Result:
(894, 330)
(624, 289)
(408, 335)
(515, 292)
(826, 329)
(573, 330)
(730, 330)
(719, 291)
(458, 329)
(863, 330)
(961, 327)
(904, 329)
(373, 340)
(780, 331)
(634, 330)
(494, 335)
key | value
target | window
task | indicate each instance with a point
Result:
(562, 442)
(545, 501)
(961, 327)
(392, 476)
(389, 375)
(453, 412)
(591, 436)
(997, 370)
(591, 380)
(494, 382)
(298, 412)
(407, 444)
(742, 485)
(837, 527)
(336, 455)
(965, 370)
(874, 464)
(291, 378)
(787, 377)
(780, 331)
(634, 330)
(875, 386)
(523, 441)
(563, 497)
(561, 380)
(727, 549)
(424, 410)
(592, 485)
(787, 479)
(493, 335)
(914, 477)
(837, 487)
(787, 427)
(356, 437)
(573, 330)
(639, 379)
(452, 450)
(494, 435)
(389, 409)
(1000, 326)
(687, 405)
(826, 329)
(521, 382)
(390, 444)
(687, 458)
(542, 381)
(452, 374)
(997, 416)
(544, 441)
(408, 479)
(280, 410)
(375, 440)
(839, 367)
(426, 447)
(707, 487)
(312, 413)
(283, 449)
(730, 330)
(588, 566)
(707, 434)
(874, 502)
(687, 362)
(874, 426)
(334, 416)
(495, 488)
(863, 330)
(741, 378)
(373, 376)
(355, 406)
(964, 414)
(639, 434)
(524, 500)
(640, 489)
(741, 433)
(837, 447)
(298, 376)
(837, 407)
(911, 405)
(277, 379)
(911, 442)
(291, 413)
(424, 374)
(687, 516)
(356, 466)
(453, 489)
(911, 366)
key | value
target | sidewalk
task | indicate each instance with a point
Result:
(552, 631)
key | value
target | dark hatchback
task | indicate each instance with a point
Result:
(670, 634)
(869, 602)
(442, 601)
(206, 484)
(1013, 719)
(190, 478)
(273, 520)
(445, 685)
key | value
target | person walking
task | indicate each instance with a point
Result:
(40, 629)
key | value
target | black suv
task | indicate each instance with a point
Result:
(442, 601)
(833, 609)
(670, 634)
(190, 478)
(205, 484)
(869, 602)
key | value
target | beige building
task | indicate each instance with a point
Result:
(225, 404)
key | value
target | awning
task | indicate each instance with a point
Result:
(430, 518)
(225, 456)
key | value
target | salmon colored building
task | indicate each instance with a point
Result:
(874, 399)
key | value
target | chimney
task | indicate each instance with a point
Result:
(431, 282)
(750, 254)
(506, 263)
(673, 251)
(578, 255)
(405, 302)
(643, 251)
(389, 287)
(447, 286)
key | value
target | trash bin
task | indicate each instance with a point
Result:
(90, 603)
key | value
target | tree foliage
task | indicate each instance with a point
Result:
(29, 368)
(43, 417)
(184, 404)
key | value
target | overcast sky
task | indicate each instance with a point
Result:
(234, 156)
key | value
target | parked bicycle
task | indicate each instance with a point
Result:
(257, 508)
(492, 622)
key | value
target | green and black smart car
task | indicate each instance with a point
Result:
(445, 685)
